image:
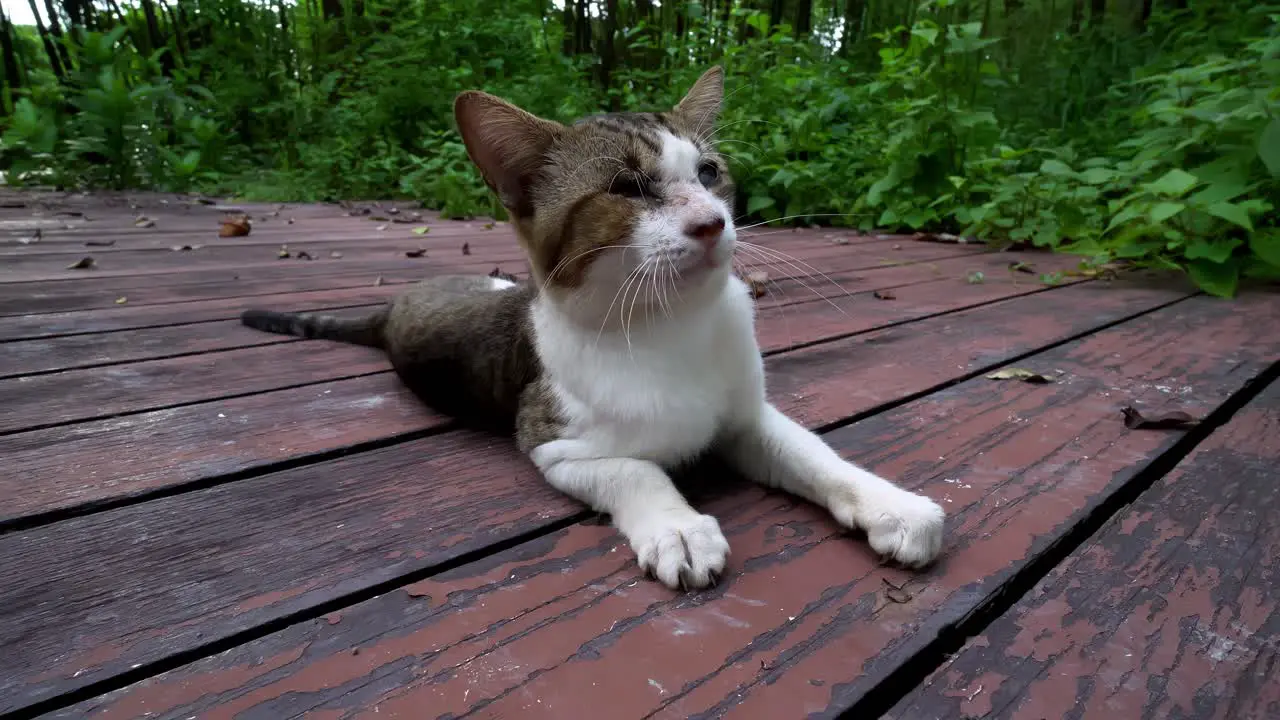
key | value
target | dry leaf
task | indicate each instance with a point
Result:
(497, 273)
(393, 211)
(1176, 420)
(144, 222)
(421, 230)
(977, 277)
(378, 282)
(380, 218)
(466, 248)
(33, 239)
(884, 295)
(283, 254)
(1022, 268)
(235, 227)
(185, 248)
(335, 255)
(758, 282)
(381, 228)
(897, 247)
(303, 255)
(415, 253)
(289, 221)
(100, 243)
(841, 241)
(121, 300)
(1019, 374)
(488, 226)
(83, 263)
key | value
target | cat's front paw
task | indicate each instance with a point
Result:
(899, 524)
(684, 549)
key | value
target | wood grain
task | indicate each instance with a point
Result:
(802, 623)
(333, 554)
(1172, 610)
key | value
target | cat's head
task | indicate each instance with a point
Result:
(625, 198)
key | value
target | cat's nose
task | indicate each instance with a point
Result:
(707, 233)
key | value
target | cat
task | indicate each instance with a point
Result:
(631, 350)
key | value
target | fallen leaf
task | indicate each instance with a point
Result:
(380, 228)
(144, 222)
(393, 211)
(841, 241)
(884, 295)
(488, 226)
(758, 282)
(283, 254)
(378, 282)
(184, 248)
(466, 248)
(100, 243)
(333, 618)
(942, 238)
(1022, 374)
(379, 218)
(1176, 420)
(897, 247)
(1021, 267)
(303, 255)
(235, 227)
(977, 277)
(289, 221)
(83, 263)
(121, 300)
(415, 253)
(497, 273)
(335, 255)
(421, 230)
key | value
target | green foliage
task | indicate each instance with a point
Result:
(1156, 143)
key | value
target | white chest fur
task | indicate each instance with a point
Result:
(664, 390)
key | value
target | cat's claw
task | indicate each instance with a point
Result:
(683, 550)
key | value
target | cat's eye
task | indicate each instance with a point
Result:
(708, 173)
(629, 186)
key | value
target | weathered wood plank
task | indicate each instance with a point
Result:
(1172, 610)
(802, 623)
(156, 450)
(145, 264)
(171, 330)
(786, 285)
(360, 509)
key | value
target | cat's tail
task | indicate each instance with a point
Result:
(365, 330)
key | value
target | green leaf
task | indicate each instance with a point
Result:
(928, 34)
(888, 218)
(758, 203)
(1266, 245)
(1123, 217)
(1174, 183)
(421, 230)
(1217, 192)
(1217, 251)
(1233, 214)
(1219, 279)
(1269, 147)
(1056, 167)
(1097, 175)
(1165, 210)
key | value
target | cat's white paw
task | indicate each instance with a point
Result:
(684, 549)
(901, 525)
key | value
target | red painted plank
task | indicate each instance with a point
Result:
(1172, 610)
(802, 623)
(366, 409)
(353, 512)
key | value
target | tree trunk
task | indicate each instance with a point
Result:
(775, 13)
(12, 73)
(608, 58)
(804, 17)
(156, 38)
(1097, 12)
(176, 28)
(1144, 15)
(55, 29)
(1077, 16)
(853, 12)
(286, 38)
(582, 25)
(55, 61)
(568, 45)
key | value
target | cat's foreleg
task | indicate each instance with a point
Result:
(776, 451)
(680, 546)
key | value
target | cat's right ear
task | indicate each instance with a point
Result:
(506, 143)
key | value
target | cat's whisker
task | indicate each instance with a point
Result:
(584, 253)
(794, 261)
(797, 278)
(801, 215)
(608, 313)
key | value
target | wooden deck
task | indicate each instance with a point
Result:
(201, 520)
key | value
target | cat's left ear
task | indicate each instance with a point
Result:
(700, 107)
